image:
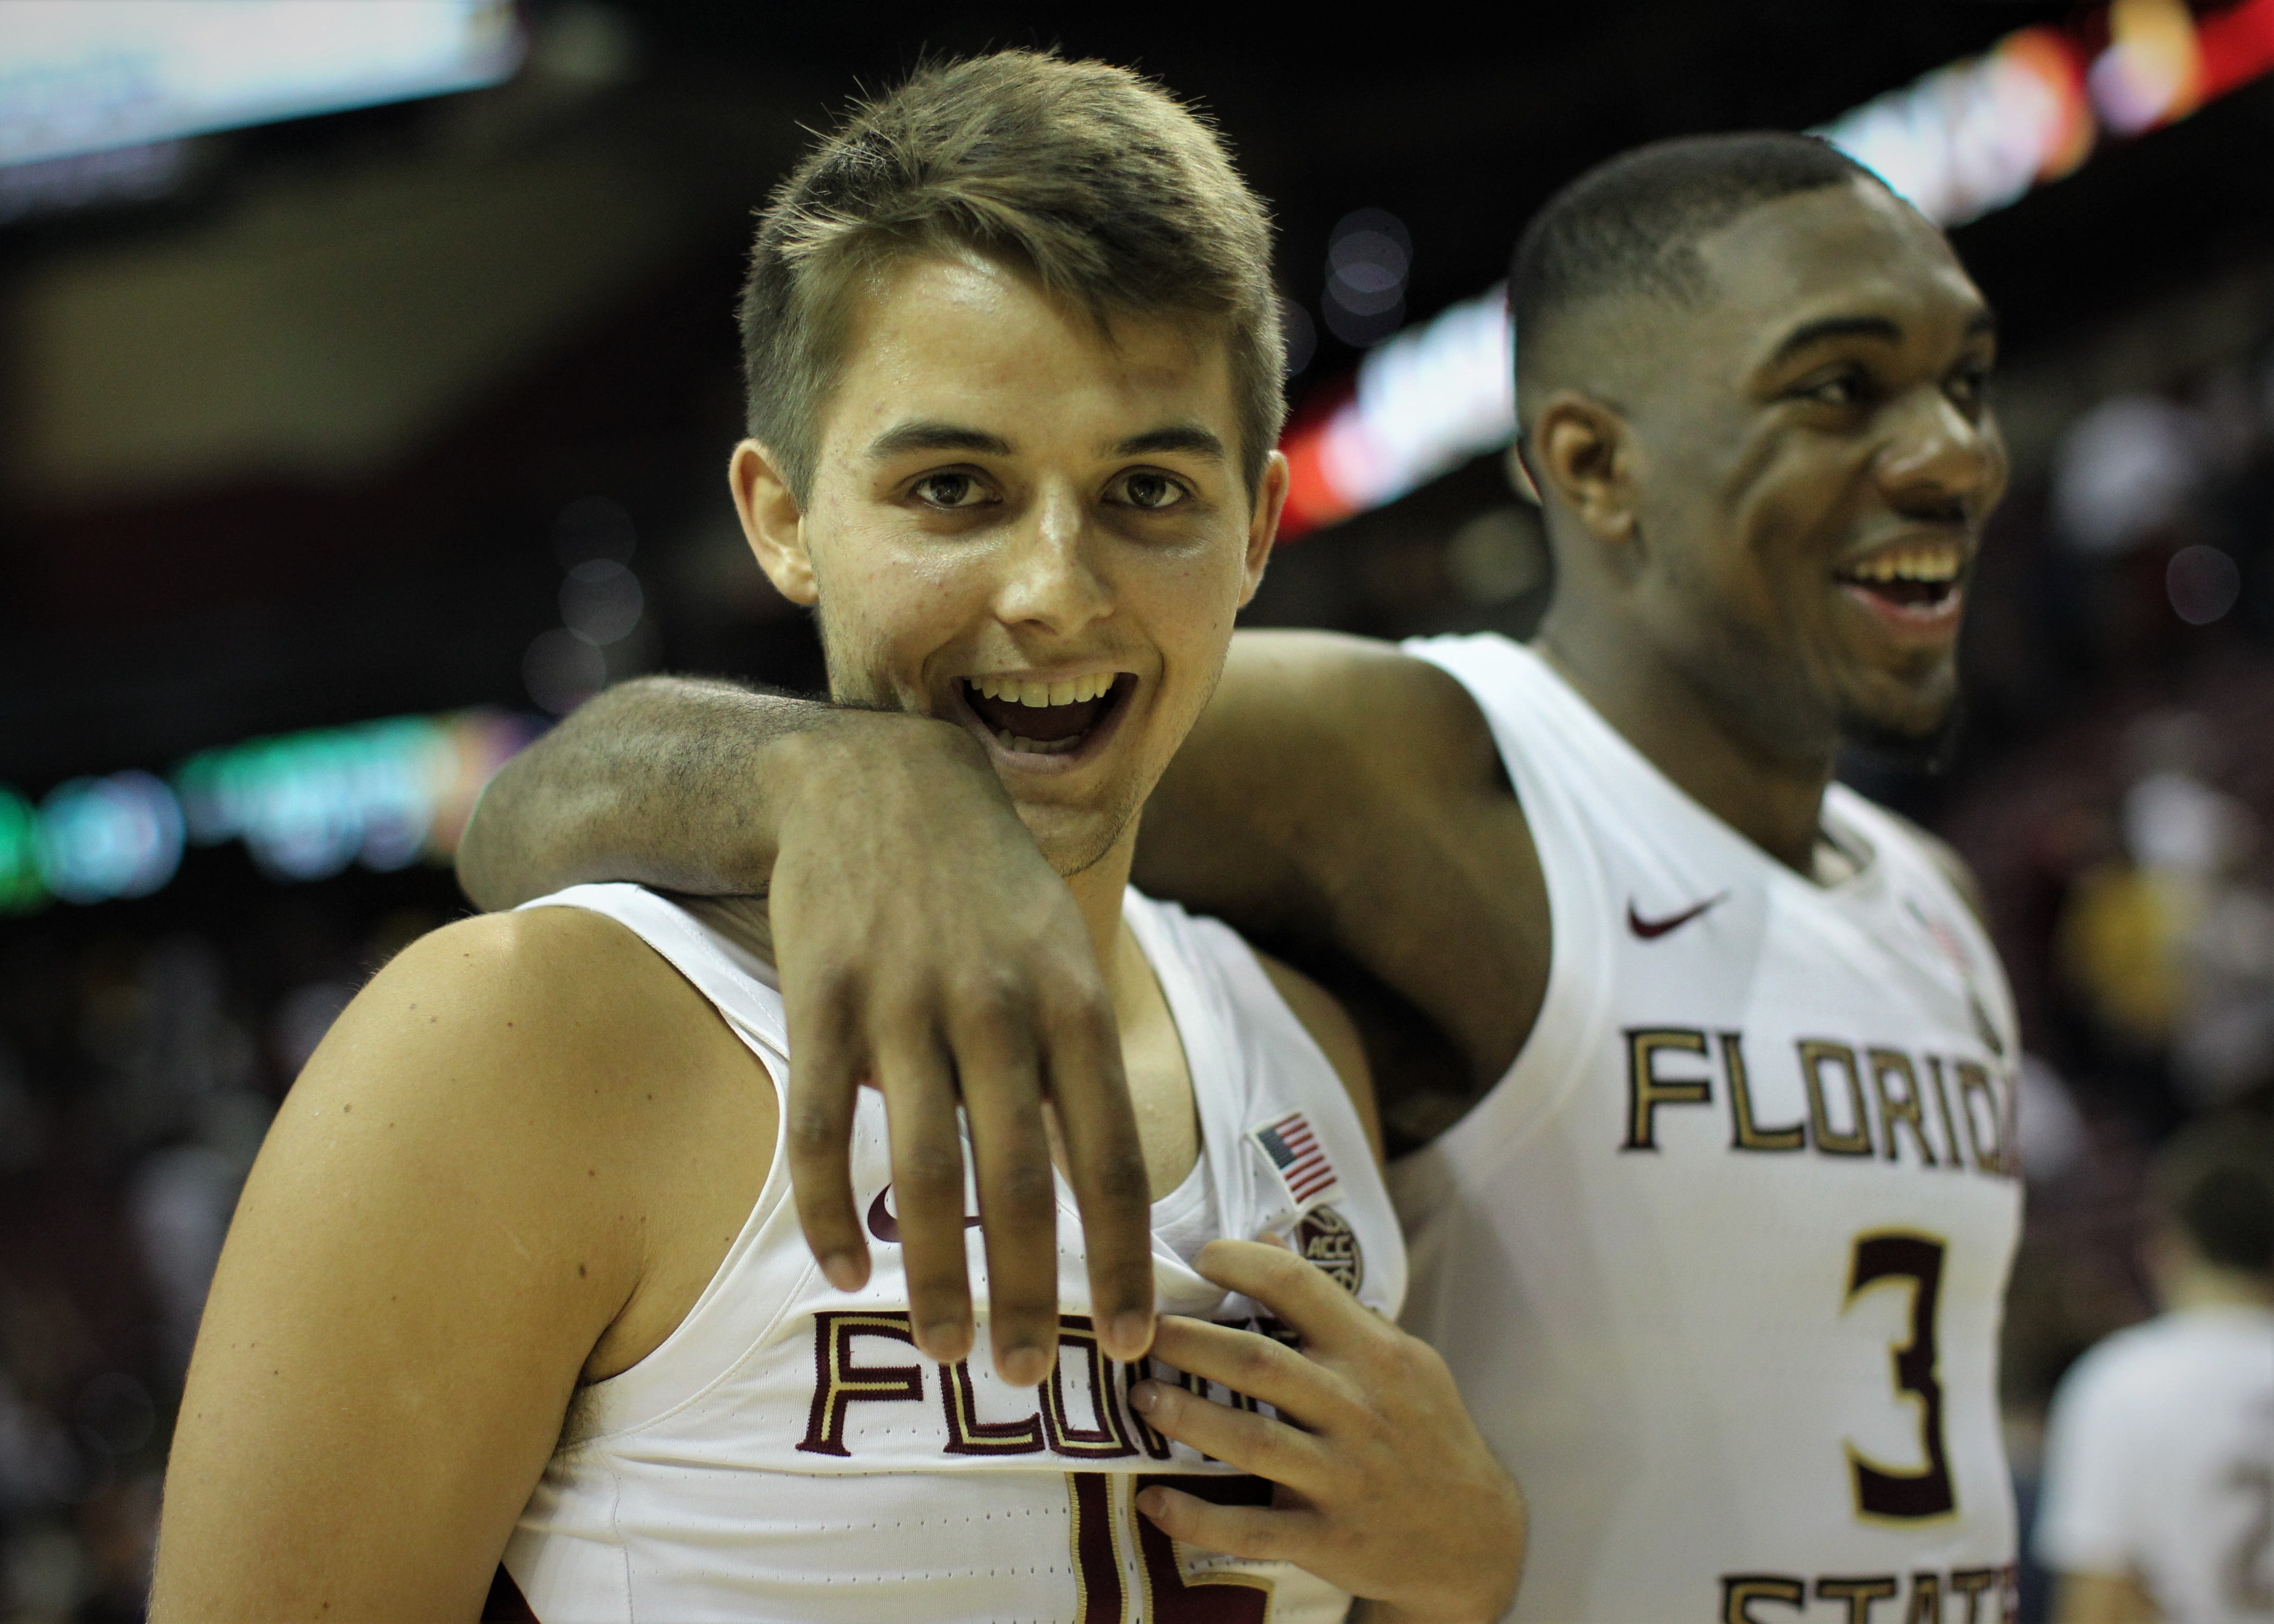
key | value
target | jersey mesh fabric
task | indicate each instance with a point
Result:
(1718, 1263)
(786, 1454)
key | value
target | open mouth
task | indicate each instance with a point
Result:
(1915, 580)
(1030, 716)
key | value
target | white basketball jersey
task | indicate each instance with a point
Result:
(787, 1453)
(1719, 1262)
(2159, 1462)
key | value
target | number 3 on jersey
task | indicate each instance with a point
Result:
(1169, 1596)
(1880, 1259)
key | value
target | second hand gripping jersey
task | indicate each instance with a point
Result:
(787, 1453)
(1719, 1263)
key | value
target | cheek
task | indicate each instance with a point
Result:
(885, 611)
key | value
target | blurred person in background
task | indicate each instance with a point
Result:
(2158, 1489)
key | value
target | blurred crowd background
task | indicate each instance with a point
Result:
(340, 451)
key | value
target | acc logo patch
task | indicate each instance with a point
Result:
(1323, 1236)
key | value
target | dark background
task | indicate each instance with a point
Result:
(286, 447)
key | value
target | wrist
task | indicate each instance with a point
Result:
(881, 761)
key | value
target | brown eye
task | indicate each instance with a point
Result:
(1845, 389)
(1969, 383)
(1150, 493)
(949, 489)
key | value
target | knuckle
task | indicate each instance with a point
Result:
(1120, 1186)
(989, 996)
(931, 1171)
(1255, 1358)
(815, 1130)
(1024, 1188)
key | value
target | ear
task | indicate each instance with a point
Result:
(773, 523)
(1583, 453)
(1264, 524)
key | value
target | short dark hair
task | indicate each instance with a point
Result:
(2215, 1180)
(1093, 181)
(1631, 223)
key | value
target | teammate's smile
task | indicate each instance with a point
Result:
(1916, 584)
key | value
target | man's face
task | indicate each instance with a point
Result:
(1818, 465)
(1035, 530)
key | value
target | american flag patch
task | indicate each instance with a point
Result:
(1295, 1151)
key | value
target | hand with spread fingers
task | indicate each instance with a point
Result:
(1384, 1486)
(991, 999)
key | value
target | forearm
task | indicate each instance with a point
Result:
(673, 782)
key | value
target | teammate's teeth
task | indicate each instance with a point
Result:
(1939, 564)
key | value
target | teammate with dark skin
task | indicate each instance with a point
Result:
(1714, 471)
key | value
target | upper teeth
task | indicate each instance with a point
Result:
(1907, 564)
(1030, 691)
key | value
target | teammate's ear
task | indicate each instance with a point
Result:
(1582, 455)
(1264, 524)
(772, 521)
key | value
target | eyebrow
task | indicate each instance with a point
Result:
(930, 436)
(1180, 437)
(1881, 327)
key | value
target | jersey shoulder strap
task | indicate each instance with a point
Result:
(1287, 1149)
(1549, 740)
(742, 987)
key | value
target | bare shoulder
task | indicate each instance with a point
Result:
(1331, 1029)
(1946, 859)
(557, 993)
(508, 1047)
(1381, 704)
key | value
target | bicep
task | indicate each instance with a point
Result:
(409, 1290)
(1309, 737)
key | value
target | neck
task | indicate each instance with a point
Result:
(1097, 892)
(1774, 801)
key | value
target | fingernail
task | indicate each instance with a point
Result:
(843, 1271)
(1152, 1502)
(1025, 1367)
(1143, 1396)
(1132, 1335)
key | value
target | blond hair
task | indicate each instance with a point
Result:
(1093, 181)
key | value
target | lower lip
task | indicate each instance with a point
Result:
(1920, 622)
(1040, 762)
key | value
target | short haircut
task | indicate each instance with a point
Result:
(1092, 181)
(1631, 223)
(2215, 1180)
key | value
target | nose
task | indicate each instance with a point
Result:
(1942, 456)
(1050, 579)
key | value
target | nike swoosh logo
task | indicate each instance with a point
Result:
(1649, 930)
(886, 1228)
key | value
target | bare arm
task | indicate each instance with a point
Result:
(1339, 802)
(659, 781)
(458, 1213)
(1343, 804)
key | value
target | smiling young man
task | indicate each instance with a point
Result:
(518, 1277)
(1715, 1238)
